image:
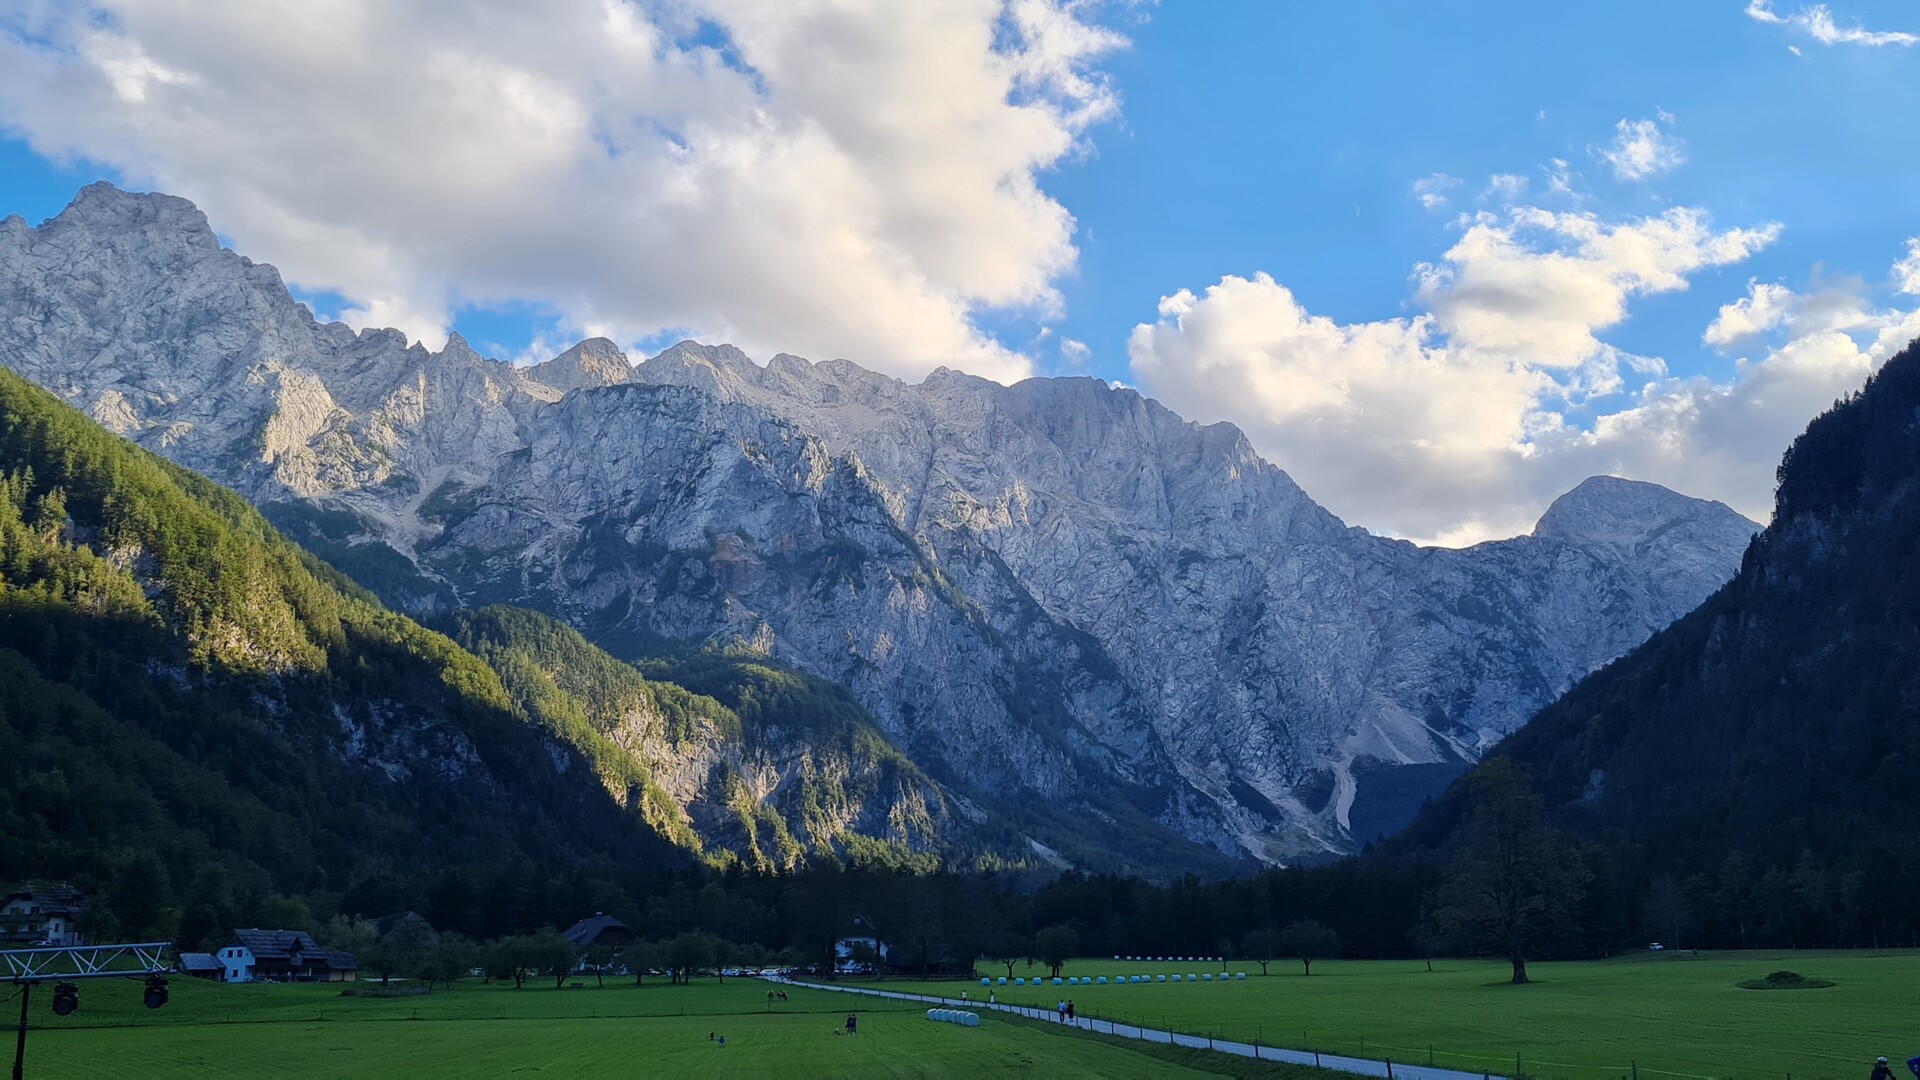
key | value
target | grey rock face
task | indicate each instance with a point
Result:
(1048, 590)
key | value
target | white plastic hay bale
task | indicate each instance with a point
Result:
(1002, 980)
(1020, 981)
(1239, 976)
(1056, 981)
(1204, 977)
(986, 982)
(1159, 978)
(1102, 980)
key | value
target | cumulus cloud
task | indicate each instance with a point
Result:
(1839, 308)
(1538, 285)
(1817, 22)
(1431, 191)
(1763, 308)
(850, 179)
(1906, 272)
(1641, 149)
(1462, 421)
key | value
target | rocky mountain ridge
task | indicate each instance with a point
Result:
(1057, 591)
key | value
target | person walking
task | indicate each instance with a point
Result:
(1062, 1010)
(1881, 1071)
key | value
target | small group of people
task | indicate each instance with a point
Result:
(776, 995)
(1066, 1012)
(1884, 1071)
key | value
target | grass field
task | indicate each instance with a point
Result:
(1673, 1014)
(494, 1030)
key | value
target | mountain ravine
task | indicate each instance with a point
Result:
(1043, 592)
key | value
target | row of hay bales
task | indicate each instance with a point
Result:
(1174, 959)
(954, 1016)
(1117, 980)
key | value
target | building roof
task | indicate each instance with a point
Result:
(387, 924)
(860, 927)
(49, 898)
(587, 931)
(337, 960)
(276, 944)
(198, 961)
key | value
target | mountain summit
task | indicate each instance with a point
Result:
(1059, 594)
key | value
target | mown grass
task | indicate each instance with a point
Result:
(494, 1030)
(1671, 1014)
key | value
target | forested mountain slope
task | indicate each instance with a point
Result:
(181, 683)
(180, 688)
(1752, 768)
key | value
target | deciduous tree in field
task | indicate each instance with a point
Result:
(1055, 946)
(1261, 947)
(686, 952)
(1008, 948)
(1513, 880)
(1307, 941)
(641, 956)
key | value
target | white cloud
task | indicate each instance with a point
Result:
(1505, 187)
(850, 179)
(1538, 285)
(1432, 190)
(1906, 272)
(1560, 178)
(1763, 308)
(1640, 149)
(1833, 309)
(1817, 22)
(1074, 353)
(1464, 420)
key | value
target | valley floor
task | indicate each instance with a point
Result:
(1672, 1014)
(495, 1030)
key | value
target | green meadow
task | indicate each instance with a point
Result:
(1672, 1014)
(494, 1030)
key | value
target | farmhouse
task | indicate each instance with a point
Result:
(860, 946)
(410, 926)
(601, 930)
(48, 914)
(283, 956)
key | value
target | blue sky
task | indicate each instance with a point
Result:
(1287, 138)
(1029, 188)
